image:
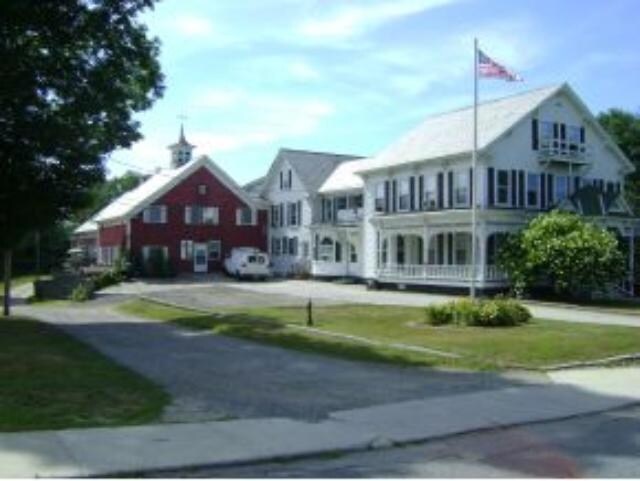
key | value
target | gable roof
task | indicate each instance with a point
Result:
(90, 226)
(343, 178)
(312, 168)
(451, 134)
(254, 188)
(132, 202)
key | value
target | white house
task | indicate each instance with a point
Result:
(536, 151)
(291, 188)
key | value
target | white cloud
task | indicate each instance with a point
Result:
(194, 26)
(356, 19)
(256, 119)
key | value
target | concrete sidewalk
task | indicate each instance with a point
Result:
(108, 451)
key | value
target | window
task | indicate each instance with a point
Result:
(197, 214)
(275, 246)
(353, 253)
(354, 201)
(155, 214)
(338, 251)
(430, 193)
(244, 216)
(561, 188)
(186, 250)
(328, 209)
(502, 188)
(341, 203)
(462, 243)
(202, 189)
(305, 249)
(533, 186)
(293, 246)
(215, 250)
(285, 246)
(285, 180)
(108, 255)
(461, 189)
(292, 212)
(546, 132)
(326, 249)
(379, 202)
(403, 194)
(275, 216)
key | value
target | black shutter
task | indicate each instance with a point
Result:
(582, 135)
(491, 179)
(386, 196)
(289, 180)
(450, 248)
(563, 131)
(601, 185)
(281, 180)
(550, 190)
(412, 193)
(471, 188)
(299, 216)
(450, 188)
(534, 134)
(543, 191)
(440, 246)
(394, 195)
(421, 192)
(514, 190)
(521, 190)
(323, 215)
(440, 190)
(281, 215)
(556, 130)
(576, 184)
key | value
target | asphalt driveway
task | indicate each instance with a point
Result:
(215, 377)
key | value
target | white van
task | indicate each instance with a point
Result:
(247, 262)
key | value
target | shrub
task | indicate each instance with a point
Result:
(482, 313)
(157, 265)
(83, 292)
(439, 314)
(107, 278)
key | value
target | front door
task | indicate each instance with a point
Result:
(200, 258)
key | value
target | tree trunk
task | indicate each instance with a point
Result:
(7, 282)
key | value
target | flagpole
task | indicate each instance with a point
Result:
(474, 161)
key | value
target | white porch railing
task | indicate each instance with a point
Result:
(439, 272)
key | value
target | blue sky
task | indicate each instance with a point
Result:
(350, 76)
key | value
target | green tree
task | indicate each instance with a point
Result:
(624, 127)
(104, 192)
(576, 257)
(73, 74)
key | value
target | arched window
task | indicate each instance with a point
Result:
(326, 249)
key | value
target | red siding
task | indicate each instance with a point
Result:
(114, 235)
(175, 230)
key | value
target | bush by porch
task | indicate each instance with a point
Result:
(534, 345)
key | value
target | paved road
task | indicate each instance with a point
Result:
(213, 377)
(604, 445)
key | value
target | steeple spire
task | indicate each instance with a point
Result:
(180, 151)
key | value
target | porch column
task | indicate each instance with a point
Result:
(482, 252)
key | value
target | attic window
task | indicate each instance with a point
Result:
(202, 189)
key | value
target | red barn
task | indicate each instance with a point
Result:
(191, 216)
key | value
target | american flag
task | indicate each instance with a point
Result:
(487, 67)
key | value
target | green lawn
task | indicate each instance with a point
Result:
(536, 345)
(48, 380)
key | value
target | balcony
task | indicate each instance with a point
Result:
(446, 273)
(349, 216)
(563, 153)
